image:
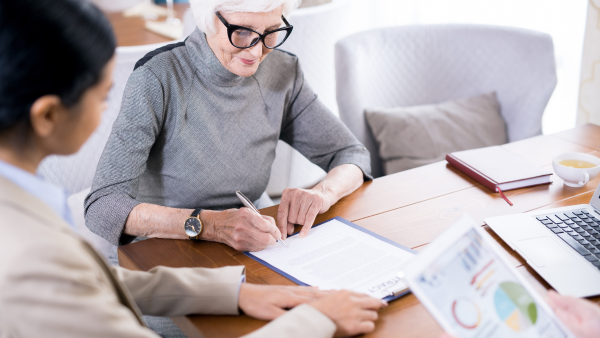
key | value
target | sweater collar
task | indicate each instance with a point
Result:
(206, 61)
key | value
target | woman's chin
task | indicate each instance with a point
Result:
(243, 70)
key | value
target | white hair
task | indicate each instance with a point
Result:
(204, 10)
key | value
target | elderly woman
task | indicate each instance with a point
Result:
(200, 119)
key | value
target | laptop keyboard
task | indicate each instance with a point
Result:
(579, 229)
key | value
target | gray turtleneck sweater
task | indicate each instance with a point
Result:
(190, 133)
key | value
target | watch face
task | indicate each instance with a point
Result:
(193, 227)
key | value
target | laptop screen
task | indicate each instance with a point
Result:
(595, 202)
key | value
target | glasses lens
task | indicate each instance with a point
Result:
(275, 39)
(244, 38)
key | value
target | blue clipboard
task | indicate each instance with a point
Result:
(348, 223)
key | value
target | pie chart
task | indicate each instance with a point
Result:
(515, 306)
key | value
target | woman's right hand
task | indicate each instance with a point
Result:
(353, 313)
(581, 316)
(241, 229)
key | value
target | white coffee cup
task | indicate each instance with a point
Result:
(576, 177)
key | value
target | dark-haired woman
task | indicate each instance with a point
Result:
(54, 80)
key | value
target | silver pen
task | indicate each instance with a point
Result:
(246, 202)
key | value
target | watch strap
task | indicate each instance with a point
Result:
(196, 214)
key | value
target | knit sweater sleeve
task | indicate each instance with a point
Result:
(312, 129)
(113, 192)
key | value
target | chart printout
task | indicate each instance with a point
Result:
(337, 256)
(481, 297)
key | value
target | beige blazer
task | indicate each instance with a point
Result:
(53, 284)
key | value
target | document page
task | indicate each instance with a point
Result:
(337, 256)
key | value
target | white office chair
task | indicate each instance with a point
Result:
(415, 65)
(76, 172)
(189, 24)
(316, 30)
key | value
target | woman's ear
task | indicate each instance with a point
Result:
(44, 115)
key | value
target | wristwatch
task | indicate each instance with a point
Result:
(193, 226)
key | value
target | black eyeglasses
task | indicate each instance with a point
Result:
(242, 37)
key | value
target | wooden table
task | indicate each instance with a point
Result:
(411, 208)
(131, 32)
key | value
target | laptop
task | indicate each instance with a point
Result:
(562, 244)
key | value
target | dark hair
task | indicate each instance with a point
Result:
(57, 47)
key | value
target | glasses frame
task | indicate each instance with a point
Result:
(232, 28)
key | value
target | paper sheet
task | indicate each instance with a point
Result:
(337, 256)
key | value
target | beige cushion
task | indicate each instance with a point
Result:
(410, 137)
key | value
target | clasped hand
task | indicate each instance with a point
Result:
(352, 313)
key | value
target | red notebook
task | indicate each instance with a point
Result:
(499, 169)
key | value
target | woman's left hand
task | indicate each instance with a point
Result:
(301, 206)
(267, 302)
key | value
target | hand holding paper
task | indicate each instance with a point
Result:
(301, 206)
